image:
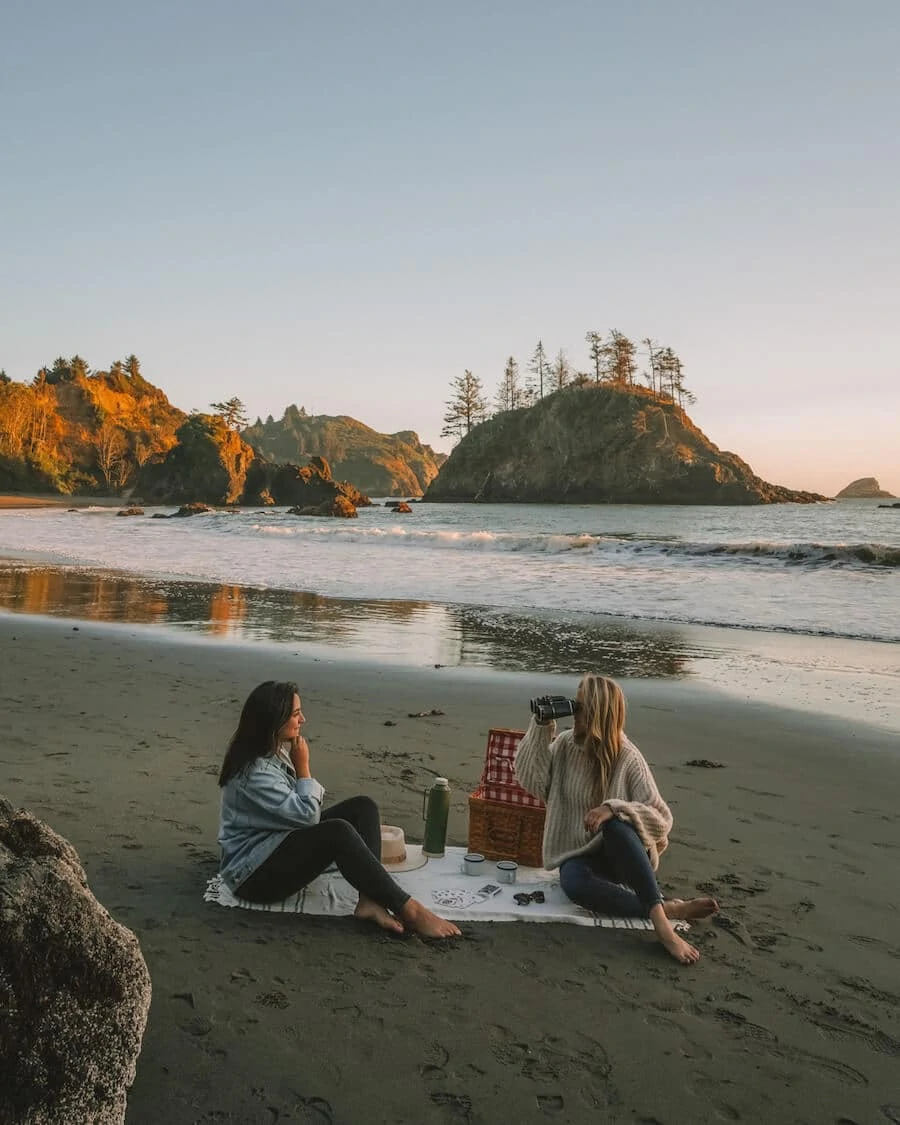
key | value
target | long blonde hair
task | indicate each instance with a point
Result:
(601, 722)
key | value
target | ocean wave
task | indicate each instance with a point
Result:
(803, 554)
(614, 547)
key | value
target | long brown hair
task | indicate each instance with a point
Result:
(601, 722)
(267, 709)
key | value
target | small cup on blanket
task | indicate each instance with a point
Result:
(473, 864)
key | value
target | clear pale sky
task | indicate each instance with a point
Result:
(344, 205)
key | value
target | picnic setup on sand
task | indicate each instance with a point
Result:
(499, 877)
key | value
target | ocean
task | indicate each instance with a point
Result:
(637, 590)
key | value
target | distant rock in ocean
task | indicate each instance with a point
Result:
(600, 444)
(866, 488)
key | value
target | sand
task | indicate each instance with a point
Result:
(114, 735)
(54, 500)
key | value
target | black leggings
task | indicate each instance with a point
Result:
(348, 834)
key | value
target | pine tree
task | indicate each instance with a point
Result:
(466, 406)
(540, 369)
(651, 377)
(232, 413)
(560, 372)
(597, 352)
(510, 393)
(620, 359)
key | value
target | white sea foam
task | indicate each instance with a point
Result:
(818, 569)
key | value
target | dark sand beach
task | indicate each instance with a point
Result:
(55, 500)
(114, 735)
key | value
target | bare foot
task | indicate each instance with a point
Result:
(691, 909)
(423, 922)
(370, 911)
(682, 951)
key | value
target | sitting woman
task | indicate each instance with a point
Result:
(606, 823)
(276, 838)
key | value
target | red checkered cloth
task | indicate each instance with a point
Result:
(498, 778)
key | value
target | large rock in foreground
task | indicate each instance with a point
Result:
(74, 987)
(866, 488)
(598, 444)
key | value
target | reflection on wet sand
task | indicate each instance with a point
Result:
(406, 631)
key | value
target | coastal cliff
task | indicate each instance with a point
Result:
(379, 464)
(211, 464)
(599, 444)
(72, 431)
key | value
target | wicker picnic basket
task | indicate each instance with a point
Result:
(505, 822)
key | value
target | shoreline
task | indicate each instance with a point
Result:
(13, 500)
(114, 737)
(845, 678)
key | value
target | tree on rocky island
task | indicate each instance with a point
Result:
(597, 352)
(619, 353)
(466, 407)
(510, 394)
(233, 413)
(540, 369)
(560, 372)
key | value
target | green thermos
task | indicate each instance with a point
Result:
(436, 810)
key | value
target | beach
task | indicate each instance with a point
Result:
(113, 735)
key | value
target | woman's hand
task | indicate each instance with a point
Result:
(596, 818)
(300, 756)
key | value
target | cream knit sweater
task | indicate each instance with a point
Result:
(563, 775)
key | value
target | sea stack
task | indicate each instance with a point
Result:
(866, 488)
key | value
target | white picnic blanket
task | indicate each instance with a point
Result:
(442, 886)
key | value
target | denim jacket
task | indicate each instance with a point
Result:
(261, 805)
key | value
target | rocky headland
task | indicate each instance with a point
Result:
(211, 464)
(866, 488)
(598, 444)
(74, 432)
(379, 464)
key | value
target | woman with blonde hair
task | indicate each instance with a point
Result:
(606, 824)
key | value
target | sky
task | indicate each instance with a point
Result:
(346, 205)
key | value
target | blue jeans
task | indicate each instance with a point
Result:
(595, 881)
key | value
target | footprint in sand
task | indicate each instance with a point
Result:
(315, 1109)
(551, 1104)
(457, 1107)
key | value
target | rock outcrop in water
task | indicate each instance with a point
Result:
(74, 987)
(598, 444)
(211, 464)
(866, 488)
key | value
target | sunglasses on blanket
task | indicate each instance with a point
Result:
(523, 898)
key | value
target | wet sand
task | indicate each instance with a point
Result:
(840, 677)
(114, 735)
(54, 500)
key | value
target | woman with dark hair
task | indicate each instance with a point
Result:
(276, 838)
(606, 823)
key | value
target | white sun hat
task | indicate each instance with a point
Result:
(396, 854)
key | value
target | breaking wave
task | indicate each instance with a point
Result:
(609, 547)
